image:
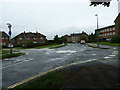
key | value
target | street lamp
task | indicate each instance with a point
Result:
(9, 27)
(97, 31)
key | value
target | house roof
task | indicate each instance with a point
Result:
(30, 35)
(76, 34)
(117, 17)
(4, 34)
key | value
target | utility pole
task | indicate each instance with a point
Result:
(97, 31)
(9, 27)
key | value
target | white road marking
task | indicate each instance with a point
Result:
(53, 59)
(107, 57)
(111, 55)
(66, 51)
(26, 60)
(27, 53)
(68, 54)
(114, 48)
(115, 52)
(93, 54)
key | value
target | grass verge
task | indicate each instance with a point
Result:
(86, 76)
(51, 80)
(39, 47)
(96, 46)
(107, 43)
(11, 55)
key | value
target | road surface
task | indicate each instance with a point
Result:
(40, 60)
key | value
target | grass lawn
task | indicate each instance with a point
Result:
(6, 54)
(108, 43)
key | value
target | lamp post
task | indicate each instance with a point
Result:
(97, 31)
(9, 27)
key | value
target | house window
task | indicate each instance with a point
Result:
(113, 33)
(35, 42)
(20, 38)
(3, 43)
(110, 29)
(3, 38)
(114, 28)
(41, 37)
(27, 38)
(105, 34)
(34, 38)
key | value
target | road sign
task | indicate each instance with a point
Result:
(10, 45)
(10, 33)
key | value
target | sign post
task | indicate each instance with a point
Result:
(97, 31)
(10, 45)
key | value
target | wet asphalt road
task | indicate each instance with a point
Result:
(41, 60)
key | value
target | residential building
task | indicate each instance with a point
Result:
(106, 33)
(76, 37)
(117, 25)
(36, 38)
(4, 38)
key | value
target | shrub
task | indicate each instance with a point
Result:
(115, 39)
(27, 44)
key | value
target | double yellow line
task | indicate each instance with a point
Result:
(44, 73)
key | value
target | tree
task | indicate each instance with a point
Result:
(92, 37)
(27, 44)
(58, 40)
(99, 3)
(115, 39)
(83, 38)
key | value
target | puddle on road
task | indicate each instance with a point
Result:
(66, 51)
(53, 59)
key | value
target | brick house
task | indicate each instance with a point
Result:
(4, 38)
(106, 33)
(36, 38)
(75, 37)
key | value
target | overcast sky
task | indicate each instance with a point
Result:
(51, 17)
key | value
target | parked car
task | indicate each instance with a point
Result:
(82, 42)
